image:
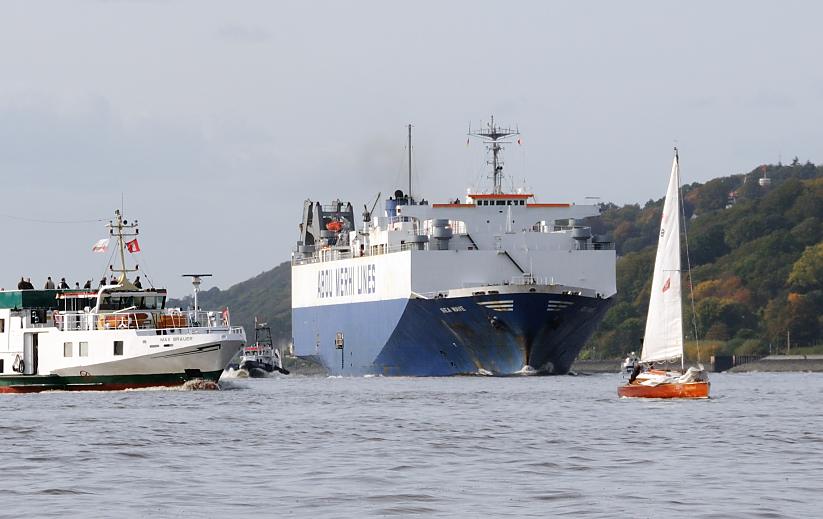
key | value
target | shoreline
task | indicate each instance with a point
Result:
(772, 363)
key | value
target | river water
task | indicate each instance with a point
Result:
(462, 446)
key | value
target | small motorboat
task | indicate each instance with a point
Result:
(261, 358)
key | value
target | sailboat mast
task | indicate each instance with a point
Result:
(681, 210)
(688, 261)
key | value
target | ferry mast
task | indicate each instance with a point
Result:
(122, 229)
(492, 136)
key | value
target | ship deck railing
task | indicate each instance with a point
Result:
(170, 321)
(345, 252)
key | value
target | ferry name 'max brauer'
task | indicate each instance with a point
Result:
(117, 337)
(496, 284)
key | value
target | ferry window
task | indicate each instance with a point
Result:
(478, 202)
(522, 202)
(501, 202)
(2, 325)
(84, 349)
(118, 347)
(508, 202)
(2, 369)
(67, 349)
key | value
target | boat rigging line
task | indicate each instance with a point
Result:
(37, 220)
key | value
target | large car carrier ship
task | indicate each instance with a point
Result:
(496, 284)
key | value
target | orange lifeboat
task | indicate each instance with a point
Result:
(172, 321)
(120, 321)
(334, 226)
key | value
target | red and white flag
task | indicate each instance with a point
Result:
(133, 246)
(667, 284)
(101, 245)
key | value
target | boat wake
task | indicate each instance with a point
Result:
(199, 384)
(234, 373)
(526, 370)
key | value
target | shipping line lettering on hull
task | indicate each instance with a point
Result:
(346, 281)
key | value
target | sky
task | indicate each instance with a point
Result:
(211, 122)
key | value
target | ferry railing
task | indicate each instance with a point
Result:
(193, 321)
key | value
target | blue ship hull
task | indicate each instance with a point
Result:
(498, 334)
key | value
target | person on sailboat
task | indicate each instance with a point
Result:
(636, 371)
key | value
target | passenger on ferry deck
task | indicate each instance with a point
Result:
(21, 285)
(49, 284)
(137, 282)
(87, 286)
(63, 284)
(77, 285)
(102, 281)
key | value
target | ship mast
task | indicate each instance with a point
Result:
(122, 229)
(410, 163)
(492, 136)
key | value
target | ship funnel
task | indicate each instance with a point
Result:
(442, 233)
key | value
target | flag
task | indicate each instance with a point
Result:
(101, 245)
(133, 246)
(519, 140)
(668, 284)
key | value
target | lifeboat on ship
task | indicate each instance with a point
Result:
(120, 321)
(334, 226)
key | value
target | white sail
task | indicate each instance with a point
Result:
(664, 324)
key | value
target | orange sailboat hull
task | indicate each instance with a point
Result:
(666, 390)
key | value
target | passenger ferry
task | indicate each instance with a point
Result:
(497, 284)
(116, 337)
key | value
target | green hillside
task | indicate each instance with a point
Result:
(757, 267)
(756, 256)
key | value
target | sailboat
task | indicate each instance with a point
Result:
(663, 338)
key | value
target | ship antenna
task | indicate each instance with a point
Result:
(492, 136)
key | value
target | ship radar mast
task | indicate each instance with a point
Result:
(122, 229)
(196, 279)
(492, 136)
